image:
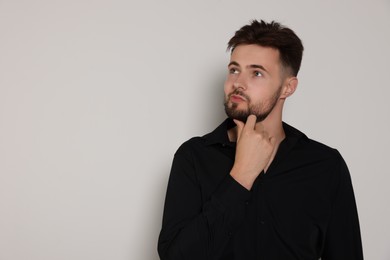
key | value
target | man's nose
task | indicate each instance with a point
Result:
(239, 83)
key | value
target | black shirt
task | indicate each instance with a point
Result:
(302, 208)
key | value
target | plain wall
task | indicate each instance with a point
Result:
(96, 96)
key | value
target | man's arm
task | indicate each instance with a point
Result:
(343, 240)
(194, 227)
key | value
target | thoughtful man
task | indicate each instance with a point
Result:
(255, 187)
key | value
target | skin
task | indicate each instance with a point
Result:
(256, 72)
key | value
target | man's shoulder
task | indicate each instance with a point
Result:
(317, 148)
(194, 143)
(317, 145)
(217, 136)
(310, 146)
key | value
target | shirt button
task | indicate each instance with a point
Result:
(247, 203)
(262, 222)
(223, 145)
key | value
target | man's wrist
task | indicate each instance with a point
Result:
(246, 180)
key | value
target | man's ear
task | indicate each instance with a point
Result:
(289, 87)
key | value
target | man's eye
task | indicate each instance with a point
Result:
(257, 74)
(233, 71)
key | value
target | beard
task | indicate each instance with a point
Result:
(261, 109)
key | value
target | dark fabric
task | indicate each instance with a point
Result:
(302, 208)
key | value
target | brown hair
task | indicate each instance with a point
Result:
(272, 35)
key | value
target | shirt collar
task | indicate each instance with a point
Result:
(220, 136)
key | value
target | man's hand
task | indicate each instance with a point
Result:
(253, 152)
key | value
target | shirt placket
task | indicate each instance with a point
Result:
(261, 221)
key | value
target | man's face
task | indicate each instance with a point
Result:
(254, 82)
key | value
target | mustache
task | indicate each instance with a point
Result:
(239, 93)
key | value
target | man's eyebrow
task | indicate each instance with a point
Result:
(234, 63)
(253, 66)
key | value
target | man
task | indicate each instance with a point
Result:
(255, 187)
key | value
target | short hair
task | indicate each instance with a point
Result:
(272, 35)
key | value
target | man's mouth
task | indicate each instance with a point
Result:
(237, 98)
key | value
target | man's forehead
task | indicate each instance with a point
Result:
(253, 51)
(247, 55)
(255, 55)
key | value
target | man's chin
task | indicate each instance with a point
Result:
(237, 116)
(233, 112)
(244, 116)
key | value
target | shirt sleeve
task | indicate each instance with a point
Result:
(194, 227)
(343, 239)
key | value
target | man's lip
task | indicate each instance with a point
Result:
(237, 98)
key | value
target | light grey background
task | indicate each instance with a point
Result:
(96, 96)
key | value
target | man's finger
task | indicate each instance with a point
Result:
(250, 123)
(240, 126)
